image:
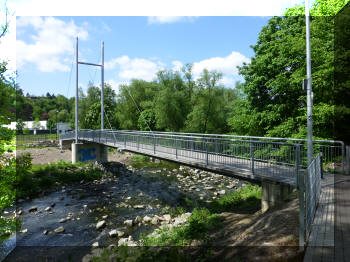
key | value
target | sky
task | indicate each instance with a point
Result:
(139, 39)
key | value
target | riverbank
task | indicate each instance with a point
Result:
(139, 196)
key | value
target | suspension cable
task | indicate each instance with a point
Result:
(139, 111)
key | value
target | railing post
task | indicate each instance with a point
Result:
(343, 158)
(321, 164)
(154, 145)
(176, 147)
(348, 160)
(207, 157)
(252, 156)
(301, 187)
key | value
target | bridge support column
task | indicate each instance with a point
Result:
(82, 152)
(274, 194)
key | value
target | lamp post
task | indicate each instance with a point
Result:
(309, 85)
(56, 124)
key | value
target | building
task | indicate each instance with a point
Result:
(62, 127)
(42, 125)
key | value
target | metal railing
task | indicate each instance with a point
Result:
(264, 158)
(309, 184)
(332, 150)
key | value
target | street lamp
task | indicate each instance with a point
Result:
(56, 124)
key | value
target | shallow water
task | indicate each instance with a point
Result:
(155, 189)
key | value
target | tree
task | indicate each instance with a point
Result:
(319, 8)
(133, 99)
(274, 99)
(36, 124)
(171, 103)
(19, 125)
(208, 114)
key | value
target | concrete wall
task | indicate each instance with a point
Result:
(274, 194)
(82, 152)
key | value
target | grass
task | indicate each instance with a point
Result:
(141, 161)
(31, 182)
(247, 198)
(198, 225)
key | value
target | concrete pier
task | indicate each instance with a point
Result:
(86, 151)
(274, 194)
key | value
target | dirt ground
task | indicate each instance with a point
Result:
(254, 237)
(53, 154)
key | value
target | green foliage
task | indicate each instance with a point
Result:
(208, 114)
(33, 180)
(247, 198)
(198, 226)
(274, 103)
(319, 8)
(147, 120)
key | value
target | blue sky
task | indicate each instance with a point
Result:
(141, 37)
(135, 47)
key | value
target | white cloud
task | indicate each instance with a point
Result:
(51, 44)
(153, 7)
(115, 85)
(177, 65)
(138, 68)
(226, 65)
(169, 19)
(227, 81)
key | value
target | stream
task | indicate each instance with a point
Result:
(125, 195)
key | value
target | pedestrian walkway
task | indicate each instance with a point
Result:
(330, 236)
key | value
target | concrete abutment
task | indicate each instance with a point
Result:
(274, 194)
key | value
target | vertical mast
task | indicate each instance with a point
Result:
(76, 93)
(309, 85)
(102, 87)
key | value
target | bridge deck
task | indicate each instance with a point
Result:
(330, 237)
(225, 165)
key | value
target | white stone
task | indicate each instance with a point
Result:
(146, 219)
(128, 222)
(100, 224)
(59, 229)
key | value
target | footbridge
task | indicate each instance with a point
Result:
(275, 163)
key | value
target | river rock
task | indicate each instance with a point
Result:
(20, 212)
(128, 222)
(33, 209)
(48, 209)
(63, 220)
(222, 192)
(105, 217)
(209, 188)
(155, 221)
(123, 241)
(181, 219)
(139, 206)
(100, 224)
(95, 244)
(146, 219)
(59, 230)
(167, 217)
(138, 219)
(45, 232)
(24, 231)
(113, 233)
